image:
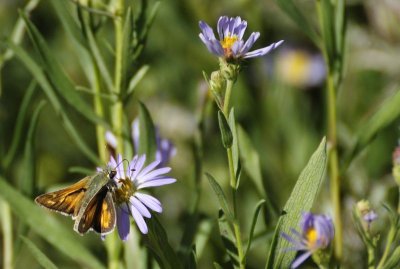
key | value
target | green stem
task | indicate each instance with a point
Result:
(235, 222)
(398, 205)
(112, 243)
(99, 109)
(391, 236)
(6, 225)
(334, 166)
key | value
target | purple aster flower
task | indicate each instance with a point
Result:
(165, 148)
(316, 233)
(130, 199)
(231, 44)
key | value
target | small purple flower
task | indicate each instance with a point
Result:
(316, 233)
(231, 44)
(165, 148)
(130, 199)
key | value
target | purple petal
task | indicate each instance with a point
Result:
(135, 134)
(207, 31)
(221, 26)
(296, 263)
(149, 201)
(153, 174)
(263, 51)
(140, 207)
(123, 222)
(156, 183)
(241, 29)
(148, 168)
(111, 139)
(250, 42)
(120, 167)
(139, 220)
(137, 165)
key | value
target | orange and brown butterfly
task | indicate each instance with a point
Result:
(89, 201)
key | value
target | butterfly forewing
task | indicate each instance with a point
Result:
(65, 201)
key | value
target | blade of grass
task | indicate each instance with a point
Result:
(40, 257)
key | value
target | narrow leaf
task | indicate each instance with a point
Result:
(40, 257)
(157, 242)
(147, 134)
(228, 238)
(27, 183)
(136, 79)
(19, 132)
(301, 200)
(47, 226)
(62, 83)
(387, 113)
(253, 225)
(221, 196)
(225, 130)
(393, 261)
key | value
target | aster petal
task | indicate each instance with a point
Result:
(236, 48)
(139, 220)
(250, 42)
(207, 31)
(135, 133)
(263, 51)
(111, 139)
(123, 222)
(137, 165)
(296, 243)
(296, 263)
(119, 167)
(221, 26)
(149, 201)
(156, 183)
(239, 31)
(142, 177)
(140, 207)
(148, 168)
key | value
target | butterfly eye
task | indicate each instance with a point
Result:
(112, 174)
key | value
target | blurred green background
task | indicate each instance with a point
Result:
(279, 100)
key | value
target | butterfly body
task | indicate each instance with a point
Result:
(89, 201)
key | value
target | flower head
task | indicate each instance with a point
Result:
(130, 199)
(316, 234)
(367, 214)
(231, 44)
(165, 148)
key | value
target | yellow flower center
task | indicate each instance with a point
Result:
(125, 191)
(312, 237)
(227, 44)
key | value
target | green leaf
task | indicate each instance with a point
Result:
(147, 134)
(134, 81)
(298, 18)
(58, 78)
(221, 196)
(41, 258)
(394, 260)
(253, 225)
(226, 134)
(28, 182)
(301, 200)
(47, 226)
(19, 132)
(217, 266)
(157, 242)
(387, 113)
(51, 95)
(228, 238)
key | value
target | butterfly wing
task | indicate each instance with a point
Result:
(99, 215)
(65, 201)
